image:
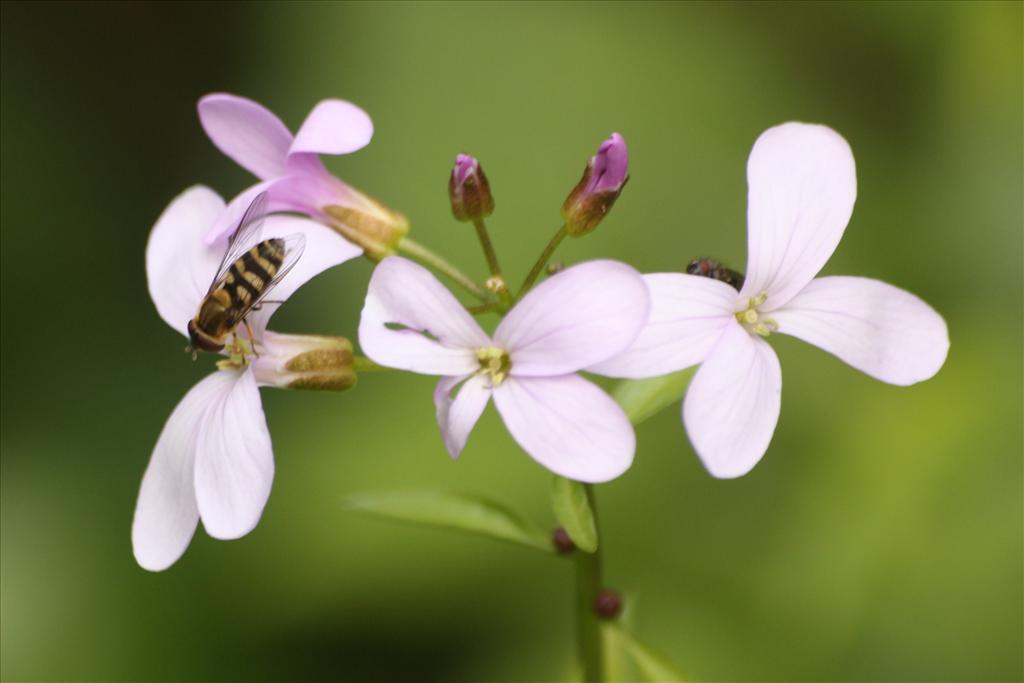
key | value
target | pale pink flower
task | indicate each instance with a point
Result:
(802, 187)
(290, 170)
(573, 319)
(213, 460)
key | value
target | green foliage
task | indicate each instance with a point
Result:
(474, 514)
(571, 506)
(653, 666)
(644, 398)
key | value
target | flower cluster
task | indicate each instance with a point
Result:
(213, 461)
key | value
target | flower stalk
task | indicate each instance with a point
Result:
(420, 253)
(488, 247)
(545, 256)
(588, 624)
(496, 284)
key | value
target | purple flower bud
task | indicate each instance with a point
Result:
(603, 179)
(469, 190)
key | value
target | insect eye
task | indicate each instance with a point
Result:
(193, 337)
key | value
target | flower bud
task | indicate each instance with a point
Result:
(367, 223)
(469, 190)
(293, 361)
(602, 182)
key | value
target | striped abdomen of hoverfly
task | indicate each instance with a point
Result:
(229, 300)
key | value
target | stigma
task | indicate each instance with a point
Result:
(753, 320)
(494, 364)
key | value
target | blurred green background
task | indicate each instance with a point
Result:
(879, 539)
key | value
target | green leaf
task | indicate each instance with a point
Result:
(643, 398)
(454, 511)
(653, 666)
(572, 510)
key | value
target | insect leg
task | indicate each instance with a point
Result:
(252, 337)
(261, 304)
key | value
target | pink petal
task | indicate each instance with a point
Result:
(568, 425)
(333, 127)
(234, 460)
(310, 188)
(457, 417)
(879, 329)
(577, 318)
(179, 264)
(688, 314)
(732, 405)
(166, 512)
(802, 186)
(247, 132)
(324, 249)
(410, 321)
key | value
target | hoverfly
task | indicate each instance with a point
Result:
(250, 269)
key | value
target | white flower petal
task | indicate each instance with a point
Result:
(732, 405)
(568, 425)
(247, 132)
(457, 417)
(688, 314)
(324, 249)
(574, 319)
(403, 302)
(879, 329)
(802, 186)
(234, 461)
(179, 264)
(166, 512)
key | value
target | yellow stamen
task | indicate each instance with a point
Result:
(494, 363)
(751, 318)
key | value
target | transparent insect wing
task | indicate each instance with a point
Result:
(246, 235)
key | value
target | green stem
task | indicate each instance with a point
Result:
(485, 242)
(492, 262)
(588, 625)
(417, 251)
(543, 260)
(482, 308)
(364, 364)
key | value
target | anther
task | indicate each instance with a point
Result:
(494, 362)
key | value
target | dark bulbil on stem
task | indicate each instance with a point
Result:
(608, 604)
(469, 191)
(563, 544)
